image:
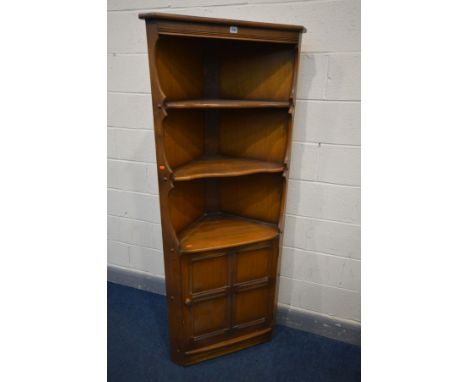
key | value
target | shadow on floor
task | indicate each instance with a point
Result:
(138, 350)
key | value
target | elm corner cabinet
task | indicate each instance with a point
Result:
(223, 96)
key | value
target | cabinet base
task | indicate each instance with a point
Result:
(225, 347)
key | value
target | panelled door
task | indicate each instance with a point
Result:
(228, 293)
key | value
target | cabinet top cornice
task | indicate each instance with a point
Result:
(218, 21)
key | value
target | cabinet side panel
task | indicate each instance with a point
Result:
(170, 241)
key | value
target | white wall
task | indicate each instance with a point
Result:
(320, 269)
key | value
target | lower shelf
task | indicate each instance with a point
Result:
(224, 231)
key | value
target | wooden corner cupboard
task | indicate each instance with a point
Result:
(223, 102)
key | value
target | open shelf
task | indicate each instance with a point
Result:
(225, 104)
(218, 166)
(202, 73)
(220, 231)
(251, 198)
(226, 142)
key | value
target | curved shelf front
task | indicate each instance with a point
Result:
(225, 104)
(214, 232)
(214, 167)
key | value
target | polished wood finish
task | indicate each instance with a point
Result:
(223, 22)
(223, 104)
(216, 28)
(254, 134)
(183, 137)
(177, 79)
(215, 167)
(223, 231)
(257, 197)
(253, 71)
(223, 96)
(228, 296)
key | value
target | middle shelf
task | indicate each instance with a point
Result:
(226, 104)
(219, 231)
(224, 166)
(222, 143)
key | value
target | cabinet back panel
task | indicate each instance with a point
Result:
(254, 196)
(255, 134)
(232, 69)
(256, 71)
(183, 136)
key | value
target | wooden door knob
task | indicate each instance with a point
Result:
(188, 301)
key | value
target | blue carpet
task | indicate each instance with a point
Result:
(138, 350)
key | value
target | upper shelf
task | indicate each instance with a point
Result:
(212, 167)
(224, 231)
(225, 104)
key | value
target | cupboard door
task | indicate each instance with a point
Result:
(206, 297)
(228, 293)
(253, 286)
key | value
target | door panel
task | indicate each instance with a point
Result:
(209, 273)
(253, 286)
(206, 301)
(253, 264)
(251, 306)
(210, 316)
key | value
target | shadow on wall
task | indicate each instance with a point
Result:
(299, 162)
